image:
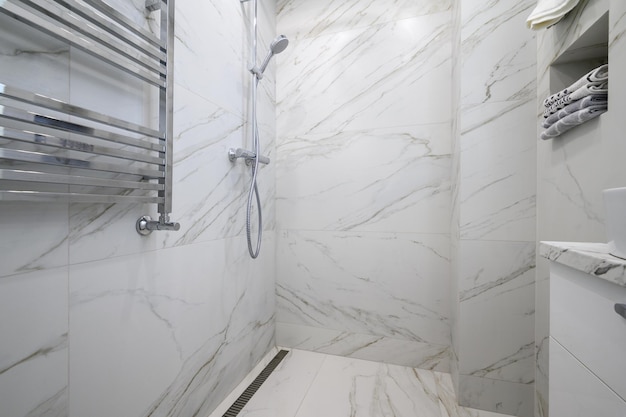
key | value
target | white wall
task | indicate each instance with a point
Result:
(574, 168)
(99, 321)
(493, 220)
(363, 179)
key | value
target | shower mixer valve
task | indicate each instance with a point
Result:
(248, 156)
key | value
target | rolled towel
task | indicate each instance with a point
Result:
(572, 120)
(589, 101)
(596, 75)
(549, 12)
(584, 91)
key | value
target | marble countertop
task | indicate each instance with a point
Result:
(591, 258)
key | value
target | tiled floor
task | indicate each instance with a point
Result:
(308, 384)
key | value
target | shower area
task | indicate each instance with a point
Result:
(398, 214)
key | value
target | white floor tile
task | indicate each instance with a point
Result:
(353, 387)
(283, 392)
(308, 384)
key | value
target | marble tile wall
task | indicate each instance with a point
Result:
(455, 185)
(494, 203)
(574, 169)
(363, 179)
(99, 321)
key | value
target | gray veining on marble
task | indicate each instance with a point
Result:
(188, 309)
(573, 171)
(311, 384)
(363, 162)
(493, 205)
(591, 258)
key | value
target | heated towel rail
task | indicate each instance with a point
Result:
(52, 150)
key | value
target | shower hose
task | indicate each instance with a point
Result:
(253, 194)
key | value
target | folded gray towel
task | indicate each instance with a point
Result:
(588, 89)
(572, 120)
(599, 74)
(593, 100)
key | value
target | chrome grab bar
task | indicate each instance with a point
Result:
(249, 156)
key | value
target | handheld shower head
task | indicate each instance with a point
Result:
(277, 46)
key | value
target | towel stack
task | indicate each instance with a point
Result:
(584, 100)
(549, 12)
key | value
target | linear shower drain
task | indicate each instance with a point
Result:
(255, 385)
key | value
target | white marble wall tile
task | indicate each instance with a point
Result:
(494, 395)
(108, 90)
(34, 237)
(403, 73)
(33, 61)
(554, 42)
(101, 231)
(498, 52)
(304, 19)
(363, 346)
(613, 124)
(136, 309)
(209, 195)
(617, 30)
(498, 170)
(542, 332)
(375, 180)
(448, 400)
(332, 280)
(157, 314)
(572, 207)
(496, 294)
(34, 354)
(574, 168)
(210, 191)
(208, 51)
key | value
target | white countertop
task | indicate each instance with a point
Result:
(591, 258)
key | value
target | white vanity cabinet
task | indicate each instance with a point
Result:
(587, 336)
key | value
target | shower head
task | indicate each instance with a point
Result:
(277, 46)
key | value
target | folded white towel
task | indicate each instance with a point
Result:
(589, 89)
(572, 120)
(596, 75)
(549, 12)
(589, 101)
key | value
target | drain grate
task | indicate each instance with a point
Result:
(255, 385)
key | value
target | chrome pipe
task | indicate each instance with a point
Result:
(17, 195)
(40, 100)
(125, 22)
(57, 31)
(65, 143)
(145, 225)
(61, 159)
(41, 123)
(48, 178)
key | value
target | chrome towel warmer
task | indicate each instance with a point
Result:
(95, 158)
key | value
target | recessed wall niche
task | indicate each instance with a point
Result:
(589, 51)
